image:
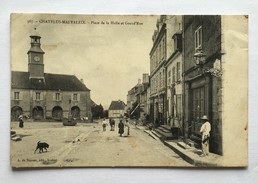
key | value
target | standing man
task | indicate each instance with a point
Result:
(205, 131)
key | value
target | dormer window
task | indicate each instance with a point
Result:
(177, 41)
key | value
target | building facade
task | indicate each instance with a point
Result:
(41, 95)
(174, 81)
(116, 109)
(158, 56)
(203, 89)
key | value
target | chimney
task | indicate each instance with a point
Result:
(82, 81)
(145, 78)
(139, 81)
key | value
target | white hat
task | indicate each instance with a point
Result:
(204, 117)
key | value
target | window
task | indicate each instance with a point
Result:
(173, 75)
(178, 71)
(169, 77)
(164, 48)
(37, 95)
(177, 41)
(75, 97)
(160, 53)
(16, 95)
(58, 96)
(160, 80)
(163, 78)
(198, 37)
(179, 106)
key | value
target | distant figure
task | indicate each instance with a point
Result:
(112, 124)
(205, 131)
(21, 121)
(127, 128)
(121, 128)
(104, 124)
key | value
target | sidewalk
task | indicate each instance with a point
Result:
(189, 154)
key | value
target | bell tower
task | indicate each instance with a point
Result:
(35, 58)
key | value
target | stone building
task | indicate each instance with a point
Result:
(157, 72)
(139, 94)
(174, 80)
(209, 57)
(41, 95)
(202, 89)
(116, 109)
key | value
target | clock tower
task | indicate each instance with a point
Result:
(35, 59)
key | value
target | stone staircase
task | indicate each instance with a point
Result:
(164, 132)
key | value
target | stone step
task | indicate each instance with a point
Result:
(164, 135)
(183, 145)
(164, 130)
(149, 126)
(156, 134)
(153, 135)
(166, 127)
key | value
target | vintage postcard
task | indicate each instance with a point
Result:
(128, 90)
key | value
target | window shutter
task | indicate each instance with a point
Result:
(78, 96)
(54, 96)
(72, 97)
(60, 97)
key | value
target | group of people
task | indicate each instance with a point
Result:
(123, 128)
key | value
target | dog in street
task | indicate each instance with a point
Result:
(41, 146)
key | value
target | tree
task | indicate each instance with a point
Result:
(105, 114)
(97, 111)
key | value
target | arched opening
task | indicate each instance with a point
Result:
(75, 112)
(37, 112)
(57, 113)
(15, 112)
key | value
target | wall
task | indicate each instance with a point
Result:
(48, 102)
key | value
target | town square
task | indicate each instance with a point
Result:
(128, 91)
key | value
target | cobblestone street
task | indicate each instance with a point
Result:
(87, 145)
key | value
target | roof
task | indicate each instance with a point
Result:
(117, 105)
(20, 80)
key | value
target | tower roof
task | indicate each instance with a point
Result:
(35, 49)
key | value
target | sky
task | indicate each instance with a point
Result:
(110, 53)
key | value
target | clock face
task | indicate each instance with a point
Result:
(37, 58)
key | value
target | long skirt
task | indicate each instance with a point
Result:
(127, 131)
(21, 124)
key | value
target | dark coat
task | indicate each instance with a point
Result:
(21, 123)
(121, 128)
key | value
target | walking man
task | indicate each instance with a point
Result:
(205, 131)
